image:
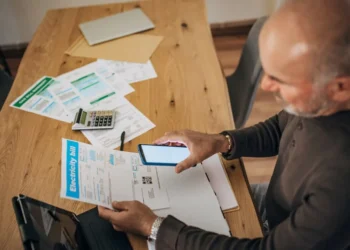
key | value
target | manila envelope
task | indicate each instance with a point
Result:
(136, 48)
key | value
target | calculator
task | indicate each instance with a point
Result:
(85, 120)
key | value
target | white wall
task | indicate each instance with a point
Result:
(20, 18)
(221, 11)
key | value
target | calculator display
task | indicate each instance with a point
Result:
(83, 117)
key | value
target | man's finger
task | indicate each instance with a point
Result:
(105, 213)
(171, 137)
(185, 164)
(121, 205)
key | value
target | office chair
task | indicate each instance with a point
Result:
(243, 83)
(4, 64)
(5, 86)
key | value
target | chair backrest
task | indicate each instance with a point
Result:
(5, 86)
(4, 64)
(243, 83)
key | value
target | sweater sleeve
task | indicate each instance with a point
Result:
(315, 224)
(260, 140)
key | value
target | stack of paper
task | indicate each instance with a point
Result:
(100, 176)
(100, 85)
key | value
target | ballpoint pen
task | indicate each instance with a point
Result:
(122, 137)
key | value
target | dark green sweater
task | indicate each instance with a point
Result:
(308, 199)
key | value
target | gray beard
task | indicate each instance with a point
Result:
(310, 114)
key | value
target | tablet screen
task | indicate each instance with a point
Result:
(56, 228)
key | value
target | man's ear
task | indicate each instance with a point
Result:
(339, 89)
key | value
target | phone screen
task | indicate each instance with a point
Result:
(164, 154)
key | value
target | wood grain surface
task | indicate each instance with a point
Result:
(189, 93)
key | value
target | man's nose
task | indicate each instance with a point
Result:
(268, 85)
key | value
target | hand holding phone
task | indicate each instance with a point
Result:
(200, 145)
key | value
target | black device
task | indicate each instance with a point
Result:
(46, 227)
(162, 155)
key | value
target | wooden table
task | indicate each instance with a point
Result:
(189, 93)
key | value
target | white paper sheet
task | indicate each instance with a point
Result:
(114, 79)
(38, 100)
(89, 88)
(69, 99)
(104, 74)
(131, 72)
(192, 200)
(128, 119)
(219, 182)
(101, 176)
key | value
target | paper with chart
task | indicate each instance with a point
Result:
(101, 176)
(101, 73)
(37, 99)
(115, 80)
(128, 119)
(91, 87)
(131, 72)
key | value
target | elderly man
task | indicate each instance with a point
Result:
(305, 53)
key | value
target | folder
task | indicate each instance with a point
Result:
(137, 48)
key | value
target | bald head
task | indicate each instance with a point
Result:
(305, 53)
(316, 33)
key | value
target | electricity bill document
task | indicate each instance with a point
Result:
(100, 176)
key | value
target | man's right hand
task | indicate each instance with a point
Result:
(200, 145)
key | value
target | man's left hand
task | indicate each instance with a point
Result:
(131, 216)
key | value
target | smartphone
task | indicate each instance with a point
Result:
(162, 155)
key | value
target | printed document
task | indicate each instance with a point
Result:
(88, 87)
(101, 176)
(37, 99)
(128, 119)
(131, 72)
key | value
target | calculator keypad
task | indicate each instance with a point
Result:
(94, 120)
(100, 119)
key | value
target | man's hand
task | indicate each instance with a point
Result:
(132, 216)
(201, 146)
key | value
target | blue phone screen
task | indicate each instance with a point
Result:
(164, 154)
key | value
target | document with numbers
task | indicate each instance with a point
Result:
(91, 87)
(37, 99)
(101, 176)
